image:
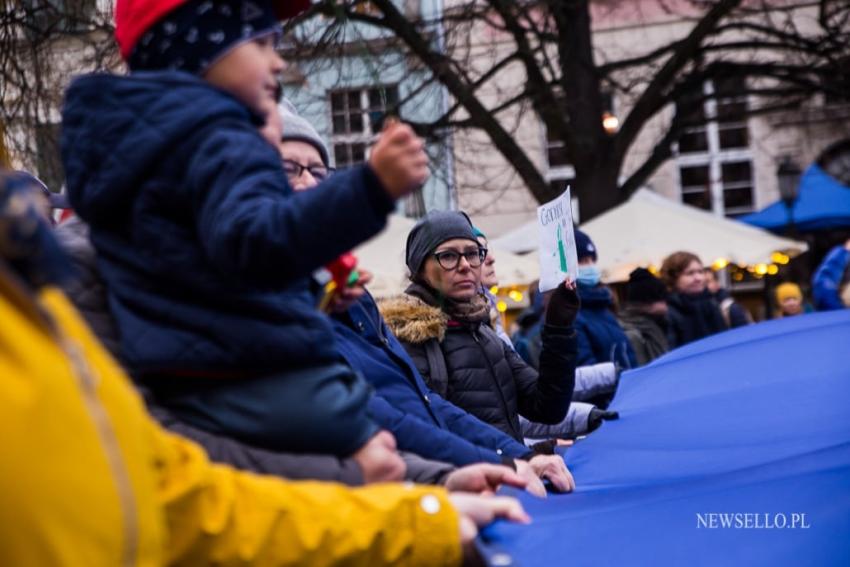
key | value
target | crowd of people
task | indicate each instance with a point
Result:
(197, 373)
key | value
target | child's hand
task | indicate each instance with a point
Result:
(399, 160)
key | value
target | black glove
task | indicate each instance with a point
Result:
(546, 447)
(597, 416)
(563, 307)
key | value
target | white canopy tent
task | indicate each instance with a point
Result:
(383, 255)
(648, 227)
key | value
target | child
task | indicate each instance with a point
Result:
(789, 300)
(204, 247)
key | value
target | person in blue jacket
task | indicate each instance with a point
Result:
(600, 336)
(423, 422)
(205, 249)
(831, 282)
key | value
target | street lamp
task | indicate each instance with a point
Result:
(788, 175)
(610, 123)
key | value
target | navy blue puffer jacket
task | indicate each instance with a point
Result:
(600, 336)
(205, 249)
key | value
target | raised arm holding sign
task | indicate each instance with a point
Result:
(558, 259)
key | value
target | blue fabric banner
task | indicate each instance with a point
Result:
(734, 450)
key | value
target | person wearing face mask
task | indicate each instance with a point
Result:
(600, 337)
(644, 316)
(693, 312)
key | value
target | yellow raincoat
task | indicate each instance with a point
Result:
(87, 478)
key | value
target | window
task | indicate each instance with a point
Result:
(560, 169)
(713, 154)
(835, 160)
(49, 159)
(356, 115)
(50, 16)
(837, 83)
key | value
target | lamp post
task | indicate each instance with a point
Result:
(788, 176)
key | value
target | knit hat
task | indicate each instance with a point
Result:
(432, 230)
(189, 35)
(788, 290)
(643, 287)
(297, 128)
(584, 246)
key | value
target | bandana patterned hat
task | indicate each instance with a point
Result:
(196, 34)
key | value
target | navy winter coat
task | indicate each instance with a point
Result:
(204, 246)
(422, 421)
(600, 336)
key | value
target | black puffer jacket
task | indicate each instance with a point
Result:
(485, 376)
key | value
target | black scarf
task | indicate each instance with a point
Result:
(469, 312)
(698, 316)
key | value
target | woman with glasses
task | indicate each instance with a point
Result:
(442, 320)
(304, 154)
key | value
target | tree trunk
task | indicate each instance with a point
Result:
(597, 189)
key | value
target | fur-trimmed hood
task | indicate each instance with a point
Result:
(412, 320)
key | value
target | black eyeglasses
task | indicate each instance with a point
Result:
(294, 170)
(450, 259)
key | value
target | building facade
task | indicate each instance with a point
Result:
(348, 92)
(726, 164)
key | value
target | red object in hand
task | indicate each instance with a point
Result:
(342, 268)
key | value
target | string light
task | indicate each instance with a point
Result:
(515, 295)
(501, 306)
(719, 264)
(780, 258)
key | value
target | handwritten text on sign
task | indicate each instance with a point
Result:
(558, 259)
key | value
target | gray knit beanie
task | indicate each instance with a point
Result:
(297, 128)
(432, 230)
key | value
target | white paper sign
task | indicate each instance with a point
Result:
(558, 258)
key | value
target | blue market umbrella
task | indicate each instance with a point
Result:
(718, 445)
(822, 203)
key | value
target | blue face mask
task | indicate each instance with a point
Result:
(589, 275)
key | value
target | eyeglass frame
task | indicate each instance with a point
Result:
(301, 168)
(481, 255)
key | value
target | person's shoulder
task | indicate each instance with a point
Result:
(412, 320)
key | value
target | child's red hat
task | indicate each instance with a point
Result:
(134, 17)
